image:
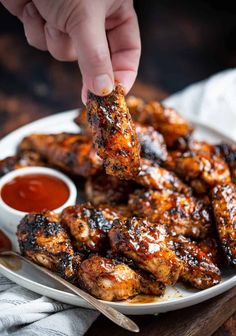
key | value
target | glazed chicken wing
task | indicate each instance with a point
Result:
(110, 280)
(228, 152)
(114, 133)
(88, 225)
(181, 214)
(72, 153)
(102, 188)
(146, 245)
(165, 120)
(23, 159)
(44, 240)
(224, 205)
(198, 268)
(200, 169)
(151, 176)
(152, 144)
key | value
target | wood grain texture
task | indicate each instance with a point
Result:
(200, 320)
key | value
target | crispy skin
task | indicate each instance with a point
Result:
(152, 176)
(114, 133)
(107, 280)
(102, 188)
(24, 159)
(110, 280)
(152, 144)
(200, 169)
(82, 121)
(72, 153)
(145, 244)
(44, 240)
(224, 205)
(211, 247)
(228, 152)
(198, 269)
(165, 120)
(88, 226)
(181, 214)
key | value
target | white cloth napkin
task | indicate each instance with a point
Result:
(24, 313)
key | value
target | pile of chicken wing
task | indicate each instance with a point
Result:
(161, 206)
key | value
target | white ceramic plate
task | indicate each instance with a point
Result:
(175, 297)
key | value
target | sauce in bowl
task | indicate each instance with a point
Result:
(35, 192)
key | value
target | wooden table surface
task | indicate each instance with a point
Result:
(32, 86)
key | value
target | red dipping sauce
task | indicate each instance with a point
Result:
(35, 192)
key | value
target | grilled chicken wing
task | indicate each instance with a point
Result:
(152, 144)
(181, 214)
(72, 153)
(224, 205)
(44, 240)
(114, 133)
(200, 169)
(198, 268)
(24, 159)
(154, 177)
(102, 188)
(228, 152)
(165, 120)
(88, 225)
(110, 280)
(211, 247)
(146, 245)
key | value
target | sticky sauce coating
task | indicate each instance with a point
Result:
(35, 192)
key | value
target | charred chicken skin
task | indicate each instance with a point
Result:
(88, 225)
(224, 205)
(110, 280)
(152, 176)
(200, 169)
(146, 245)
(198, 268)
(23, 159)
(114, 133)
(72, 153)
(181, 214)
(165, 120)
(102, 188)
(228, 152)
(45, 241)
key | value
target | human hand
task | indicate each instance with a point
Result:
(103, 35)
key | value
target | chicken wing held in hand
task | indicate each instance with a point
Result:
(114, 133)
(224, 206)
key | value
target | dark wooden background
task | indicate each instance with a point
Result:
(182, 42)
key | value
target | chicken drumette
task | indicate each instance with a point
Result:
(198, 268)
(181, 214)
(88, 226)
(110, 280)
(201, 170)
(72, 153)
(114, 133)
(165, 120)
(152, 176)
(45, 241)
(146, 245)
(224, 205)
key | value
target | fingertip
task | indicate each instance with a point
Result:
(126, 79)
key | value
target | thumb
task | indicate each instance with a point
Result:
(89, 38)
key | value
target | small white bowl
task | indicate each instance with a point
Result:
(10, 217)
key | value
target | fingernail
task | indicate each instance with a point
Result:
(31, 10)
(102, 85)
(53, 32)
